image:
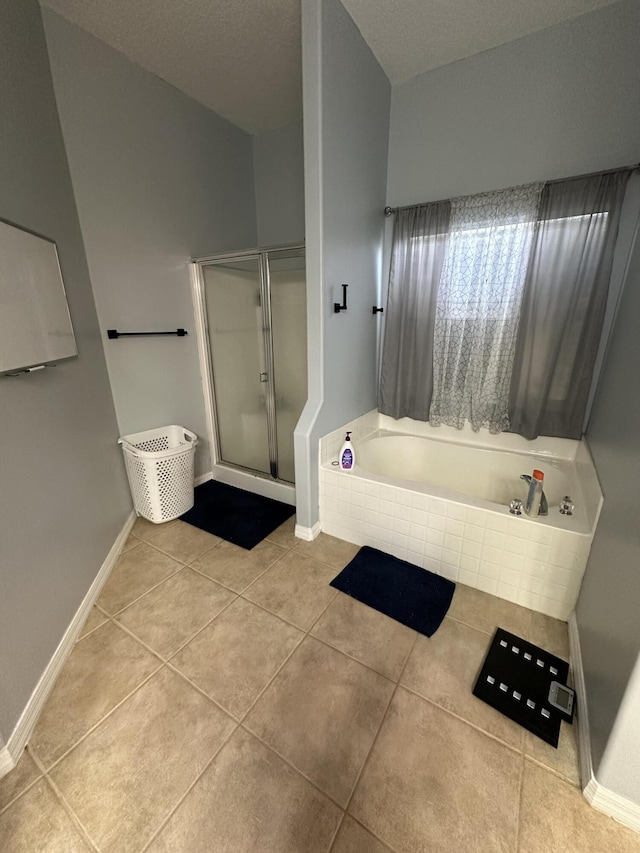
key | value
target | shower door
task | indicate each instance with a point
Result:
(255, 306)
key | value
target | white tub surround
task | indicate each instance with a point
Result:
(439, 498)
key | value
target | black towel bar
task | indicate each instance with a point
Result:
(114, 333)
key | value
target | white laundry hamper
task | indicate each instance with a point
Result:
(160, 469)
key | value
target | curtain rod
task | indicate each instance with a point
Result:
(388, 211)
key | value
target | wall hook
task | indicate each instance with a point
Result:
(376, 310)
(337, 308)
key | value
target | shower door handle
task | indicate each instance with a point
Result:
(264, 377)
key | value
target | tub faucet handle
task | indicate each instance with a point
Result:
(515, 507)
(566, 506)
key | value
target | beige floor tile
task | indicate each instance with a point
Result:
(366, 635)
(146, 530)
(444, 668)
(130, 543)
(236, 567)
(322, 712)
(550, 634)
(487, 612)
(94, 620)
(556, 817)
(296, 588)
(285, 535)
(126, 776)
(168, 616)
(235, 656)
(564, 759)
(37, 823)
(328, 549)
(433, 784)
(250, 801)
(135, 573)
(183, 541)
(101, 671)
(353, 838)
(18, 780)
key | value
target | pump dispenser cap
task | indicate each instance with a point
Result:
(348, 436)
(538, 475)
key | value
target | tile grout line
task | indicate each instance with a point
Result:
(192, 684)
(54, 764)
(344, 810)
(21, 793)
(272, 679)
(552, 770)
(201, 572)
(463, 720)
(57, 793)
(114, 616)
(347, 655)
(288, 762)
(375, 739)
(182, 798)
(142, 595)
(384, 844)
(186, 643)
(175, 670)
(520, 800)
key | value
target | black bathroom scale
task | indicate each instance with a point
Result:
(526, 684)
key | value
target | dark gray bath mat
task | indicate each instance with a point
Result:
(406, 593)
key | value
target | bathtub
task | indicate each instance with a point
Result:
(439, 498)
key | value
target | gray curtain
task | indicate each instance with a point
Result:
(419, 241)
(564, 303)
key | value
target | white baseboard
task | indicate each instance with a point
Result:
(601, 798)
(10, 755)
(203, 478)
(308, 533)
(7, 762)
(582, 717)
(613, 805)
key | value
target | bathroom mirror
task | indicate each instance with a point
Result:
(35, 326)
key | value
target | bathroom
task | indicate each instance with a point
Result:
(142, 176)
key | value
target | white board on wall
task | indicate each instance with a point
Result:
(35, 326)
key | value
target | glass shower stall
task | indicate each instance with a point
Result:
(251, 313)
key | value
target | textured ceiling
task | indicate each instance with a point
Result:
(409, 37)
(242, 58)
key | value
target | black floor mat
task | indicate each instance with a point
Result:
(406, 593)
(235, 515)
(515, 680)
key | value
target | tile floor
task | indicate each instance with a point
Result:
(229, 701)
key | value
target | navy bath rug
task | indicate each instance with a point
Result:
(235, 515)
(406, 593)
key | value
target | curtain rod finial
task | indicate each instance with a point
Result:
(389, 210)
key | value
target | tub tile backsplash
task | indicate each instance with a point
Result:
(524, 561)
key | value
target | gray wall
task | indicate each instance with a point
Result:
(64, 491)
(346, 104)
(278, 166)
(607, 611)
(158, 179)
(561, 102)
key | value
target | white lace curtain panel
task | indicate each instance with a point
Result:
(478, 306)
(496, 303)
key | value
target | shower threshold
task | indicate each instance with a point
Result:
(253, 481)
